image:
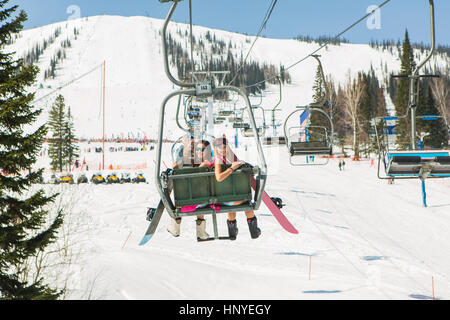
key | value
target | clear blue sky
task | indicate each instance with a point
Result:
(289, 19)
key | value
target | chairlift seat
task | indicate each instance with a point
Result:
(248, 132)
(198, 186)
(225, 113)
(443, 160)
(235, 119)
(241, 125)
(194, 114)
(310, 148)
(434, 163)
(274, 140)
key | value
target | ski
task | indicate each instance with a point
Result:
(154, 221)
(275, 210)
(273, 206)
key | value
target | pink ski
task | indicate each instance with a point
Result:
(281, 218)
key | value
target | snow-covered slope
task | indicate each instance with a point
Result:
(360, 238)
(135, 79)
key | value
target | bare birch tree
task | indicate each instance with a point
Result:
(440, 91)
(353, 93)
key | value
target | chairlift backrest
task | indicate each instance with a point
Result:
(195, 186)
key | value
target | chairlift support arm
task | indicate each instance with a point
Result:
(276, 106)
(262, 163)
(308, 108)
(412, 93)
(164, 47)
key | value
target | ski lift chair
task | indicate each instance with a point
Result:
(414, 164)
(247, 132)
(410, 164)
(241, 125)
(423, 164)
(320, 144)
(320, 147)
(225, 113)
(198, 186)
(274, 140)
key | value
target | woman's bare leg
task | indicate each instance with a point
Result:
(232, 216)
(250, 214)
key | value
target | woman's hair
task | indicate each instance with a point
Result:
(220, 141)
(205, 143)
(207, 150)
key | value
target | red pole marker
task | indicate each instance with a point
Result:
(103, 139)
(126, 240)
(310, 258)
(432, 286)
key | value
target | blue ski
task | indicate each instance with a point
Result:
(154, 221)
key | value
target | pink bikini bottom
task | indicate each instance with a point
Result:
(215, 206)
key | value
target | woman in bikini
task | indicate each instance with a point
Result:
(202, 158)
(220, 157)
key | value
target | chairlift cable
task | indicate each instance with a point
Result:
(68, 83)
(325, 44)
(266, 19)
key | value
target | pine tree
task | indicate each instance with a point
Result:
(402, 92)
(22, 220)
(319, 95)
(57, 125)
(318, 88)
(70, 147)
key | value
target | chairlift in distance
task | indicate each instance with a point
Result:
(313, 141)
(414, 163)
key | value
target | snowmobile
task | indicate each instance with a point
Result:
(67, 178)
(97, 178)
(82, 179)
(125, 178)
(139, 178)
(53, 179)
(112, 178)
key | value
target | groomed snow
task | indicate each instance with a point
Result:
(360, 238)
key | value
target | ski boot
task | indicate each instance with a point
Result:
(278, 202)
(232, 229)
(150, 213)
(201, 229)
(174, 227)
(255, 232)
